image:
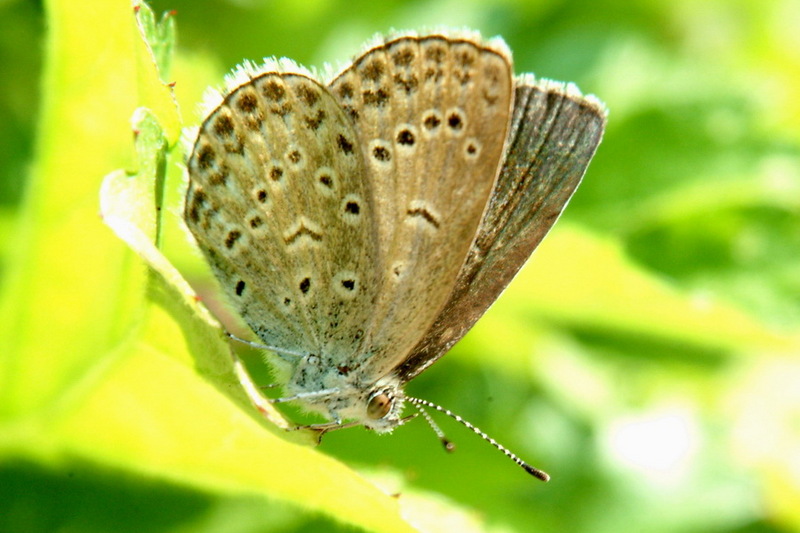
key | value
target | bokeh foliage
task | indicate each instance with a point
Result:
(647, 357)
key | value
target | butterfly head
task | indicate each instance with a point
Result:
(383, 407)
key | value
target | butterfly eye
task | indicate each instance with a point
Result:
(379, 406)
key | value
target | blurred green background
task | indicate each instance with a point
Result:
(648, 357)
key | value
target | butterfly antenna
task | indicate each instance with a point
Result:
(419, 403)
(447, 443)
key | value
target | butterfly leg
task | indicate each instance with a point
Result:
(326, 427)
(305, 395)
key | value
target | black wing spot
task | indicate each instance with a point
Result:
(233, 236)
(381, 153)
(432, 122)
(344, 145)
(305, 285)
(405, 137)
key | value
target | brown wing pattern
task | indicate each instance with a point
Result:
(554, 134)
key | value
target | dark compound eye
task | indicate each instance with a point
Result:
(379, 406)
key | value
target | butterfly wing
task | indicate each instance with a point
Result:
(554, 134)
(432, 115)
(278, 203)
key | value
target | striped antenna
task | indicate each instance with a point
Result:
(419, 403)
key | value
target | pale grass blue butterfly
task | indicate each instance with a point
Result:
(361, 224)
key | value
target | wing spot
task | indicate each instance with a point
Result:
(218, 178)
(345, 284)
(381, 152)
(405, 137)
(235, 148)
(418, 210)
(294, 157)
(465, 58)
(256, 222)
(472, 149)
(273, 90)
(434, 74)
(239, 287)
(261, 196)
(276, 173)
(344, 145)
(404, 57)
(281, 110)
(432, 120)
(406, 82)
(206, 157)
(325, 181)
(435, 53)
(373, 71)
(490, 99)
(305, 285)
(398, 269)
(346, 91)
(223, 126)
(377, 98)
(301, 229)
(351, 209)
(456, 120)
(233, 236)
(308, 95)
(316, 121)
(352, 111)
(253, 122)
(247, 102)
(198, 200)
(463, 76)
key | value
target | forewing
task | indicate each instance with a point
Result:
(554, 134)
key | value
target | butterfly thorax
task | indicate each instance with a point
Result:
(342, 393)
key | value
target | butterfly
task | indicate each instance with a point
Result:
(361, 226)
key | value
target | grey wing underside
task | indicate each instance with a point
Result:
(554, 134)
